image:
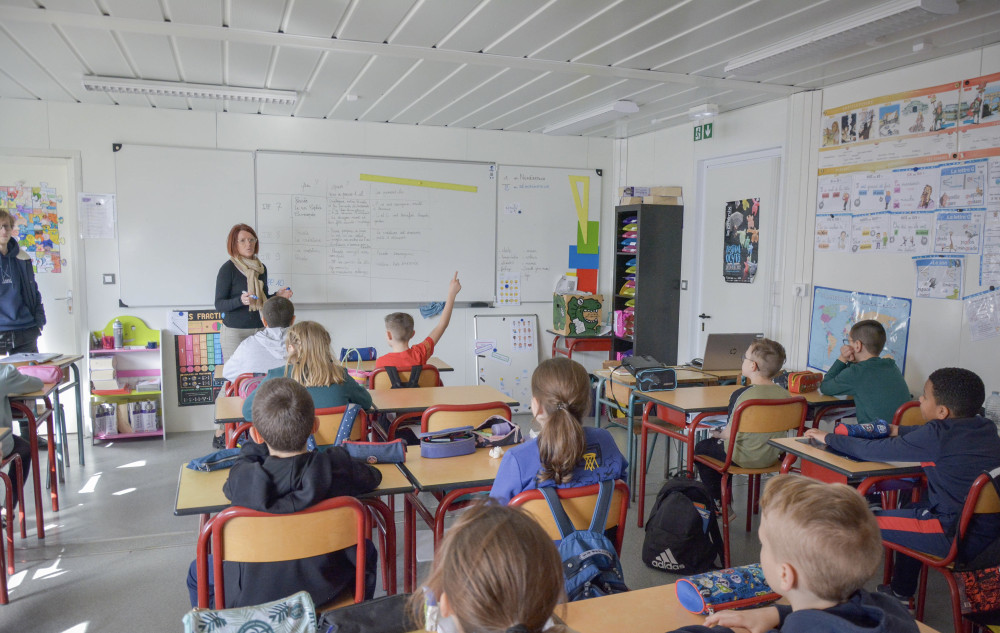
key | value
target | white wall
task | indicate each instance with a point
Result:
(938, 332)
(34, 128)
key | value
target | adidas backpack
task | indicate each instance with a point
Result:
(590, 563)
(682, 533)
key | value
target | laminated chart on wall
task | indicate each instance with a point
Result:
(958, 233)
(989, 261)
(36, 214)
(523, 335)
(509, 290)
(982, 311)
(506, 351)
(833, 233)
(835, 311)
(199, 351)
(939, 277)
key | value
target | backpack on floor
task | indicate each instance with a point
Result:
(682, 532)
(590, 563)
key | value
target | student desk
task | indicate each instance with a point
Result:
(573, 343)
(369, 365)
(821, 464)
(201, 493)
(413, 400)
(651, 610)
(449, 478)
(22, 406)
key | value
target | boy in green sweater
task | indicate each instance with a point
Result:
(876, 383)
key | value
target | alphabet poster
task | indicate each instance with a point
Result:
(742, 240)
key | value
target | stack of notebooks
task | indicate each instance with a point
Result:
(103, 376)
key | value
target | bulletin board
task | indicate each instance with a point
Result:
(547, 224)
(506, 349)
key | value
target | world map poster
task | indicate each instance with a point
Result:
(835, 311)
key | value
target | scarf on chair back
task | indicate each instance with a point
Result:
(252, 268)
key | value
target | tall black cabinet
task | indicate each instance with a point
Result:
(657, 277)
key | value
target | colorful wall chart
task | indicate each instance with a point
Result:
(36, 212)
(742, 237)
(199, 351)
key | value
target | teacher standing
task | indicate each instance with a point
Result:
(241, 289)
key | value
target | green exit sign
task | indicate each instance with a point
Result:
(703, 131)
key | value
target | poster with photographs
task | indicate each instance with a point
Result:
(742, 239)
(833, 233)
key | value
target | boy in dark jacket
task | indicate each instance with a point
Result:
(281, 477)
(819, 544)
(954, 447)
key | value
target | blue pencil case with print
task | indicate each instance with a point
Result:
(448, 442)
(393, 452)
(226, 458)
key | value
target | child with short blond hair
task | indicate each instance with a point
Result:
(399, 331)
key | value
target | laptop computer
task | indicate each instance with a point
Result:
(725, 351)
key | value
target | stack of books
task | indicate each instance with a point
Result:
(103, 376)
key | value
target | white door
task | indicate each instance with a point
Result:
(721, 306)
(58, 289)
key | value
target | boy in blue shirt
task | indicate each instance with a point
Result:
(954, 447)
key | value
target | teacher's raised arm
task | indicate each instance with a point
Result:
(241, 289)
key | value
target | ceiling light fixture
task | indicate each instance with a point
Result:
(861, 27)
(592, 118)
(704, 111)
(122, 85)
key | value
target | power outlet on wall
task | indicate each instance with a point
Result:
(800, 290)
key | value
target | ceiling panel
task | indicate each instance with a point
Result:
(620, 90)
(374, 20)
(335, 74)
(133, 101)
(276, 109)
(293, 68)
(25, 71)
(44, 45)
(466, 96)
(257, 15)
(410, 89)
(173, 103)
(248, 64)
(602, 28)
(572, 93)
(673, 21)
(200, 60)
(545, 84)
(137, 9)
(98, 50)
(556, 19)
(152, 55)
(494, 19)
(10, 89)
(378, 77)
(242, 107)
(73, 6)
(317, 18)
(467, 83)
(203, 12)
(432, 21)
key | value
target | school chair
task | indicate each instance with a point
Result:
(243, 535)
(329, 423)
(579, 504)
(450, 416)
(15, 459)
(754, 416)
(908, 414)
(429, 377)
(982, 499)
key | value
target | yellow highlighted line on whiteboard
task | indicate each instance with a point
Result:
(413, 182)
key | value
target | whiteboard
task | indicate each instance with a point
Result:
(512, 355)
(539, 210)
(354, 229)
(175, 209)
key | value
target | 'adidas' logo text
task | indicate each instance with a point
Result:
(666, 560)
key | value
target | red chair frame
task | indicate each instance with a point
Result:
(969, 510)
(403, 418)
(621, 488)
(210, 539)
(459, 408)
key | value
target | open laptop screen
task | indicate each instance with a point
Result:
(725, 351)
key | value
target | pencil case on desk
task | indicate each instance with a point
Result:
(448, 442)
(867, 431)
(733, 588)
(804, 381)
(393, 452)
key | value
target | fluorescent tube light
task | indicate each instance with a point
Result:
(862, 26)
(192, 91)
(592, 118)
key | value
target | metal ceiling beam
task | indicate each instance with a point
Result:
(218, 33)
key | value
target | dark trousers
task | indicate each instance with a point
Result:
(914, 527)
(20, 341)
(23, 448)
(714, 448)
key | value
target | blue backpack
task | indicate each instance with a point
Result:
(590, 563)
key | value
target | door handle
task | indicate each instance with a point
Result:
(704, 316)
(69, 301)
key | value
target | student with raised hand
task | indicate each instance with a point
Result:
(311, 363)
(496, 571)
(565, 454)
(399, 331)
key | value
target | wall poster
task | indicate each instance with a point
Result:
(742, 238)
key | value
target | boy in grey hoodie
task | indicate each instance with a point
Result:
(265, 350)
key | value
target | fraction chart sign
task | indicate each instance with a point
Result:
(198, 353)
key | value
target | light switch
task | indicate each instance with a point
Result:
(109, 279)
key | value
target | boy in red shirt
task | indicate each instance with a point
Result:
(399, 331)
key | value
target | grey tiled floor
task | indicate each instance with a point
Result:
(115, 558)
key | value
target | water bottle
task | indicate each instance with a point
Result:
(119, 331)
(993, 408)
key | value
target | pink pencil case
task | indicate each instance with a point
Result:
(45, 373)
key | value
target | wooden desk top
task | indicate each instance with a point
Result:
(369, 365)
(716, 398)
(448, 473)
(201, 493)
(854, 470)
(651, 610)
(409, 400)
(228, 409)
(45, 391)
(684, 377)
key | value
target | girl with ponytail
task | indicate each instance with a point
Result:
(565, 454)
